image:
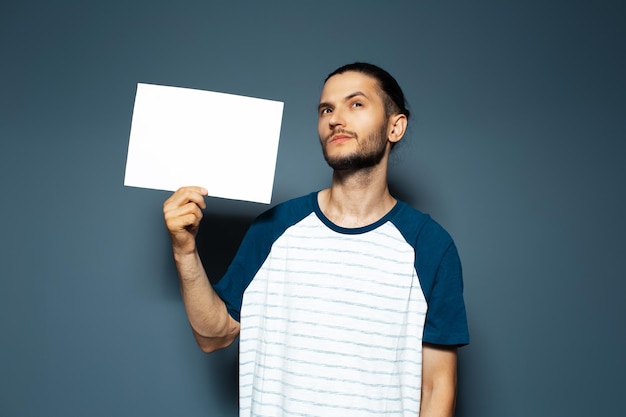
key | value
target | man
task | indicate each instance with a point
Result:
(350, 302)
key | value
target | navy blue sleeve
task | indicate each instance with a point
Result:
(251, 254)
(446, 320)
(439, 271)
(438, 268)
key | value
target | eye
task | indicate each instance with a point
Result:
(357, 104)
(326, 110)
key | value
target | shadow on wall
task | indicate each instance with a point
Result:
(222, 374)
(218, 240)
(411, 192)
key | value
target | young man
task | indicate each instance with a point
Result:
(350, 302)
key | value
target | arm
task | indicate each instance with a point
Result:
(212, 326)
(438, 381)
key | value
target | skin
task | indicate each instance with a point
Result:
(352, 125)
(212, 326)
(351, 102)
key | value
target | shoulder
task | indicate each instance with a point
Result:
(294, 208)
(420, 229)
(277, 219)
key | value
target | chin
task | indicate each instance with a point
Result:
(354, 162)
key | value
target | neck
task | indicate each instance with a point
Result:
(357, 198)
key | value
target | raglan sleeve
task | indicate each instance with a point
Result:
(248, 259)
(446, 318)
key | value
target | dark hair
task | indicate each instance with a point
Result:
(392, 94)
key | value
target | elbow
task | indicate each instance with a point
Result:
(211, 344)
(208, 347)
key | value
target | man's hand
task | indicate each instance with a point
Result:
(183, 212)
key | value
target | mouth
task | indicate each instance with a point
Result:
(339, 137)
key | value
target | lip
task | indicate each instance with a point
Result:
(339, 138)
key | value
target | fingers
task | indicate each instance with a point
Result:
(182, 217)
(186, 195)
(183, 212)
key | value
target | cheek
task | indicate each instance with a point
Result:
(369, 125)
(322, 129)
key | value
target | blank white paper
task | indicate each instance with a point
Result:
(225, 143)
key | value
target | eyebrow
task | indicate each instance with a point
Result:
(326, 104)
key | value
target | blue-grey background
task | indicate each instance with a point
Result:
(517, 146)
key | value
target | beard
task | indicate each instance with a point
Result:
(367, 156)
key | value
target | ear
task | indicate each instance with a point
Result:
(397, 127)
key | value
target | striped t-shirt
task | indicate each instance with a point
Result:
(333, 319)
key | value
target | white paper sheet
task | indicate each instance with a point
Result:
(225, 143)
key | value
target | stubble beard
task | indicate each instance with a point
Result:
(363, 158)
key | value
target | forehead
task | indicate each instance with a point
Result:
(342, 85)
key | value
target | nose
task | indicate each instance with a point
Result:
(336, 118)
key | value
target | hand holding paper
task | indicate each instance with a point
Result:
(183, 219)
(225, 143)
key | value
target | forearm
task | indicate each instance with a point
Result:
(438, 401)
(438, 381)
(213, 327)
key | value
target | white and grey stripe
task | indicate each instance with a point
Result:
(331, 325)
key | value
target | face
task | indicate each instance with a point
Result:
(352, 124)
